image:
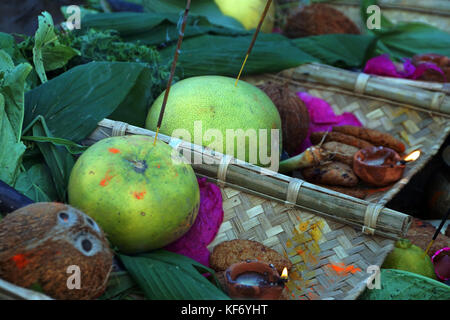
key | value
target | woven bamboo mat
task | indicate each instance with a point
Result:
(330, 259)
(415, 128)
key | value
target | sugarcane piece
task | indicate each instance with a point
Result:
(310, 157)
(375, 137)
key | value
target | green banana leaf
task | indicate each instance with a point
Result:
(406, 39)
(404, 285)
(224, 55)
(75, 101)
(163, 275)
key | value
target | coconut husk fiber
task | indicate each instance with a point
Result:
(317, 19)
(293, 112)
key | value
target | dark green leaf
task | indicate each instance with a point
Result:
(36, 183)
(72, 147)
(205, 8)
(59, 160)
(165, 276)
(222, 55)
(407, 39)
(118, 284)
(342, 50)
(153, 28)
(74, 102)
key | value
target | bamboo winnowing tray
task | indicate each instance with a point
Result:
(326, 235)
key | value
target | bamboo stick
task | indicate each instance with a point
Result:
(271, 185)
(374, 86)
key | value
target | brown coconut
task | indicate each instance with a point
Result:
(39, 242)
(317, 19)
(294, 115)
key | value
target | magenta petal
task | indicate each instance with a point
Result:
(422, 67)
(210, 216)
(322, 118)
(408, 68)
(382, 66)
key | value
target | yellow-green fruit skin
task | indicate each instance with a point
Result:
(142, 195)
(248, 12)
(409, 257)
(217, 103)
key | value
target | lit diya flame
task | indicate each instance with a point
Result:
(284, 274)
(413, 156)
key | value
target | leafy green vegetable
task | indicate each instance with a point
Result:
(12, 82)
(48, 53)
(165, 275)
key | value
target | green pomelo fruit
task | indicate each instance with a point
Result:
(409, 257)
(212, 111)
(142, 195)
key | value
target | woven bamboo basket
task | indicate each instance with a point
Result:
(331, 238)
(418, 117)
(433, 12)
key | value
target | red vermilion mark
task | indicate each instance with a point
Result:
(106, 179)
(114, 150)
(158, 166)
(341, 269)
(139, 195)
(20, 260)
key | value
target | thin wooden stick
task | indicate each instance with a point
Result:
(255, 35)
(438, 230)
(172, 71)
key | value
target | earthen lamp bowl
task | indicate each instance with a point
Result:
(269, 290)
(378, 166)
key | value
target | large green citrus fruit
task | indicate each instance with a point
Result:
(142, 195)
(244, 115)
(409, 257)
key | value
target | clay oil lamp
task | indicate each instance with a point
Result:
(253, 279)
(381, 166)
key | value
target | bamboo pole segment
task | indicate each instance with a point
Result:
(227, 171)
(371, 86)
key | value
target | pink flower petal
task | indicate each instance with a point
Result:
(210, 216)
(322, 118)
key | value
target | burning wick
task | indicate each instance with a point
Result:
(413, 156)
(284, 275)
